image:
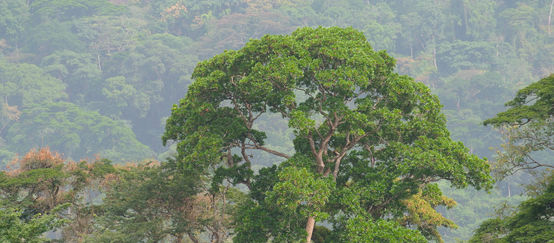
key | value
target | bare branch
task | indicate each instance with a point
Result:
(319, 160)
(370, 154)
(243, 153)
(271, 151)
(341, 155)
(332, 127)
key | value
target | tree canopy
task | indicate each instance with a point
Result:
(532, 103)
(530, 223)
(360, 129)
(529, 128)
(98, 78)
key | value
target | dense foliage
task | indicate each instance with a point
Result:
(530, 223)
(365, 137)
(41, 192)
(530, 129)
(530, 116)
(130, 60)
(98, 77)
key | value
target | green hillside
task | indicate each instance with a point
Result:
(97, 79)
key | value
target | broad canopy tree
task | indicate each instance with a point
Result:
(366, 138)
(529, 128)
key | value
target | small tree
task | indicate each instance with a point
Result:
(44, 191)
(532, 222)
(14, 229)
(155, 202)
(35, 182)
(366, 138)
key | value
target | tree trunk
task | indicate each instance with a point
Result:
(550, 16)
(179, 238)
(435, 54)
(509, 191)
(99, 63)
(17, 47)
(192, 237)
(310, 228)
(466, 26)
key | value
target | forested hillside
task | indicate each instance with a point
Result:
(97, 79)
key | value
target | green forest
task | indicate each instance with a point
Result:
(276, 121)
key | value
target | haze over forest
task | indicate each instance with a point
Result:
(97, 80)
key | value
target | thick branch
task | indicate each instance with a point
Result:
(332, 127)
(527, 165)
(341, 155)
(192, 237)
(324, 142)
(235, 106)
(250, 116)
(243, 153)
(371, 154)
(533, 161)
(271, 151)
(319, 160)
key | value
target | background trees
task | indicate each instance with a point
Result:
(126, 39)
(67, 127)
(41, 192)
(149, 202)
(530, 131)
(96, 201)
(129, 60)
(530, 128)
(528, 224)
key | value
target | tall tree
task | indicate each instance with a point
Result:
(530, 128)
(529, 124)
(361, 132)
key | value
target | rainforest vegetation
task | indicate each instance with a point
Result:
(276, 120)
